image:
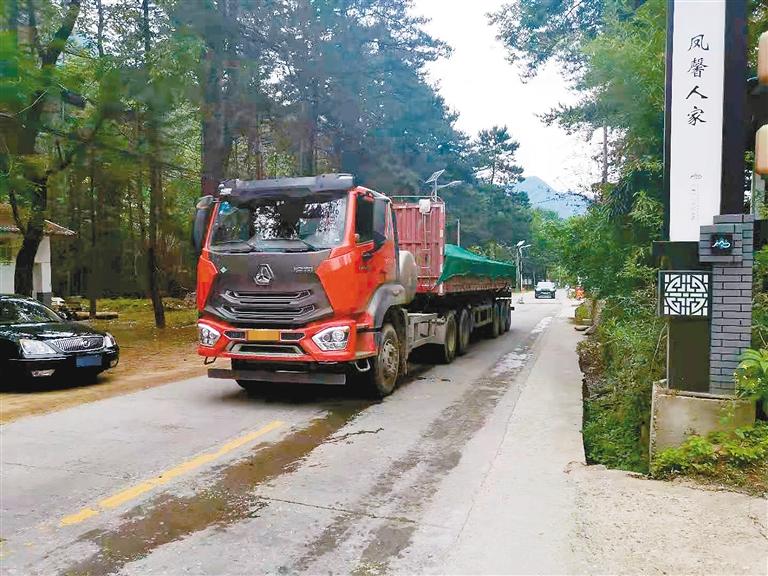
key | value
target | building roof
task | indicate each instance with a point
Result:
(8, 225)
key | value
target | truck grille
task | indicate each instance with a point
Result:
(267, 349)
(79, 343)
(268, 306)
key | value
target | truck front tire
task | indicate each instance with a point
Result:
(381, 379)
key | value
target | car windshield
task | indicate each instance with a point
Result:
(280, 225)
(546, 286)
(25, 312)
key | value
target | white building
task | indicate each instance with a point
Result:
(10, 242)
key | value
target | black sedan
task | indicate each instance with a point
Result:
(37, 342)
(545, 290)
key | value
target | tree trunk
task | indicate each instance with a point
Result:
(155, 186)
(604, 179)
(217, 124)
(92, 259)
(25, 260)
(100, 29)
(25, 138)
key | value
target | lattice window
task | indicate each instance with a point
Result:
(685, 293)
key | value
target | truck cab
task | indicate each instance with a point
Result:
(297, 278)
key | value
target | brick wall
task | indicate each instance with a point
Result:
(731, 320)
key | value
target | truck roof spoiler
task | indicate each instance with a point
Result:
(298, 187)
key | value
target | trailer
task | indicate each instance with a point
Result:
(317, 280)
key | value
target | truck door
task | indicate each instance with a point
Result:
(375, 246)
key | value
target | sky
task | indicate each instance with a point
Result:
(485, 90)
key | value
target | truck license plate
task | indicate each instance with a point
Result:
(263, 335)
(88, 361)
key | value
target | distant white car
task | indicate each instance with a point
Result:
(545, 290)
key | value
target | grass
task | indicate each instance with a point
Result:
(737, 458)
(135, 325)
(620, 361)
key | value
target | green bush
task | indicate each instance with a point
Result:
(738, 457)
(752, 375)
(617, 411)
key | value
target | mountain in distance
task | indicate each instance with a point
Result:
(542, 195)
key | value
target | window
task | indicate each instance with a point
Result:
(282, 224)
(364, 219)
(380, 220)
(6, 251)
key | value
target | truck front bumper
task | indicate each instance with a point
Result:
(284, 376)
(287, 345)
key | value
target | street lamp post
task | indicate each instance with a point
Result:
(519, 247)
(435, 187)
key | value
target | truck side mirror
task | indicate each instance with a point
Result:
(200, 225)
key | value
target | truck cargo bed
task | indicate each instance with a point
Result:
(445, 268)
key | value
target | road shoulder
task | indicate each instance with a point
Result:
(527, 497)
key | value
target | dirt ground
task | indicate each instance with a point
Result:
(148, 357)
(628, 524)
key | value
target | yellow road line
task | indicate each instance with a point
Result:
(134, 491)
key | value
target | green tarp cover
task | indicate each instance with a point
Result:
(461, 262)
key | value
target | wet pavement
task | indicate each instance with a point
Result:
(196, 477)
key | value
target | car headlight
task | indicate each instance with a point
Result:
(109, 341)
(335, 338)
(35, 348)
(207, 335)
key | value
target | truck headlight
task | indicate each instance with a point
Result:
(35, 348)
(335, 338)
(109, 341)
(208, 336)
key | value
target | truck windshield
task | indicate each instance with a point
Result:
(280, 225)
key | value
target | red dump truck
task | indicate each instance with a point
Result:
(317, 280)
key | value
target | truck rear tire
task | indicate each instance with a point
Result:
(381, 379)
(450, 346)
(506, 320)
(495, 328)
(465, 332)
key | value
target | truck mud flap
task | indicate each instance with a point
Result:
(286, 377)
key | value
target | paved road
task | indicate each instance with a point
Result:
(195, 477)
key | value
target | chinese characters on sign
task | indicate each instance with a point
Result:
(695, 115)
(684, 293)
(697, 69)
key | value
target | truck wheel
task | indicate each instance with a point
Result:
(448, 349)
(382, 377)
(465, 332)
(506, 319)
(496, 324)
